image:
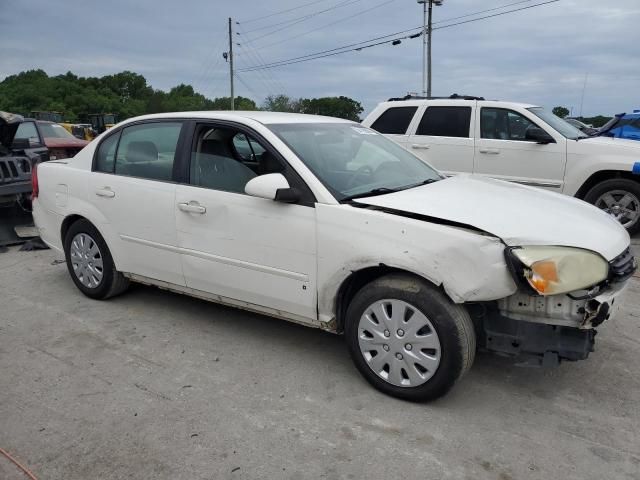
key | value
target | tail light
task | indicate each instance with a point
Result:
(34, 182)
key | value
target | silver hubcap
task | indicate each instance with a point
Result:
(86, 260)
(399, 343)
(622, 205)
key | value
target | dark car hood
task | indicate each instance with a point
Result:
(8, 127)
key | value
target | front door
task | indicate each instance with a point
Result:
(503, 152)
(243, 248)
(132, 188)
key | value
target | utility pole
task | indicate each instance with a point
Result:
(231, 64)
(424, 47)
(427, 16)
(429, 50)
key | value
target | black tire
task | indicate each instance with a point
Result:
(619, 184)
(112, 282)
(452, 324)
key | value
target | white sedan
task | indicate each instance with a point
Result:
(324, 222)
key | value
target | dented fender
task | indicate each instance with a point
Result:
(469, 265)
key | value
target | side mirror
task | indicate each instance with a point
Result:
(272, 186)
(538, 135)
(20, 144)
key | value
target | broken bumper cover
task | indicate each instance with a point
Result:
(543, 330)
(562, 310)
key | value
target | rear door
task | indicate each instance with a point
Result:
(132, 186)
(395, 122)
(503, 152)
(444, 136)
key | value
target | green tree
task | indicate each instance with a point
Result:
(341, 107)
(280, 103)
(560, 111)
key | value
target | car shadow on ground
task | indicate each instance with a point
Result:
(309, 346)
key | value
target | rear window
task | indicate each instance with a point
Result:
(395, 120)
(445, 122)
(148, 150)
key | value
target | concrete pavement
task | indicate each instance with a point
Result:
(155, 385)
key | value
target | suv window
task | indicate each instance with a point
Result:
(395, 120)
(27, 130)
(148, 150)
(445, 122)
(503, 124)
(106, 156)
(222, 158)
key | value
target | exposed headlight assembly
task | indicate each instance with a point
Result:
(556, 270)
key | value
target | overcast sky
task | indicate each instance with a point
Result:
(540, 55)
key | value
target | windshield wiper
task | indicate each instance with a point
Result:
(384, 190)
(372, 193)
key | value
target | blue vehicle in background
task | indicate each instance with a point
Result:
(623, 125)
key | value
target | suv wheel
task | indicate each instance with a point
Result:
(619, 197)
(90, 264)
(408, 339)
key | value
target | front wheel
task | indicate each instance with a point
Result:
(620, 198)
(408, 339)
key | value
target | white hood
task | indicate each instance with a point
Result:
(519, 215)
(607, 146)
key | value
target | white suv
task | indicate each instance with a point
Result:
(520, 143)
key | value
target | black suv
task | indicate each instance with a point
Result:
(16, 161)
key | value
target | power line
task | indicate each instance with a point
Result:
(253, 52)
(331, 24)
(283, 11)
(305, 16)
(395, 33)
(345, 49)
(295, 21)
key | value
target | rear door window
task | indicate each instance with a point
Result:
(445, 122)
(148, 150)
(395, 120)
(106, 156)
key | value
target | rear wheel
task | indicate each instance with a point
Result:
(408, 339)
(619, 197)
(90, 263)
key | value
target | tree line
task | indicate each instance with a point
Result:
(127, 94)
(597, 121)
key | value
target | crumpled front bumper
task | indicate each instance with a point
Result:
(562, 310)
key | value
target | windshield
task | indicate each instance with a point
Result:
(562, 127)
(53, 130)
(351, 160)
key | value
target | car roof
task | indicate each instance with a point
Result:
(258, 116)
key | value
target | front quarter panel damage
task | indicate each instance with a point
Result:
(468, 265)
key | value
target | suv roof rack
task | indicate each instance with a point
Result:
(455, 96)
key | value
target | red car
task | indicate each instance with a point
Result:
(59, 142)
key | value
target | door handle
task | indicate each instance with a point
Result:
(192, 207)
(105, 192)
(489, 151)
(417, 146)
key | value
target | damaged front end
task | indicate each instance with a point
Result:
(545, 329)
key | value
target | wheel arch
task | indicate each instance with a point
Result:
(72, 218)
(601, 176)
(353, 283)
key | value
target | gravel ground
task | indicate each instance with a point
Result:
(155, 385)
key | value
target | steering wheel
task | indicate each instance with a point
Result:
(363, 170)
